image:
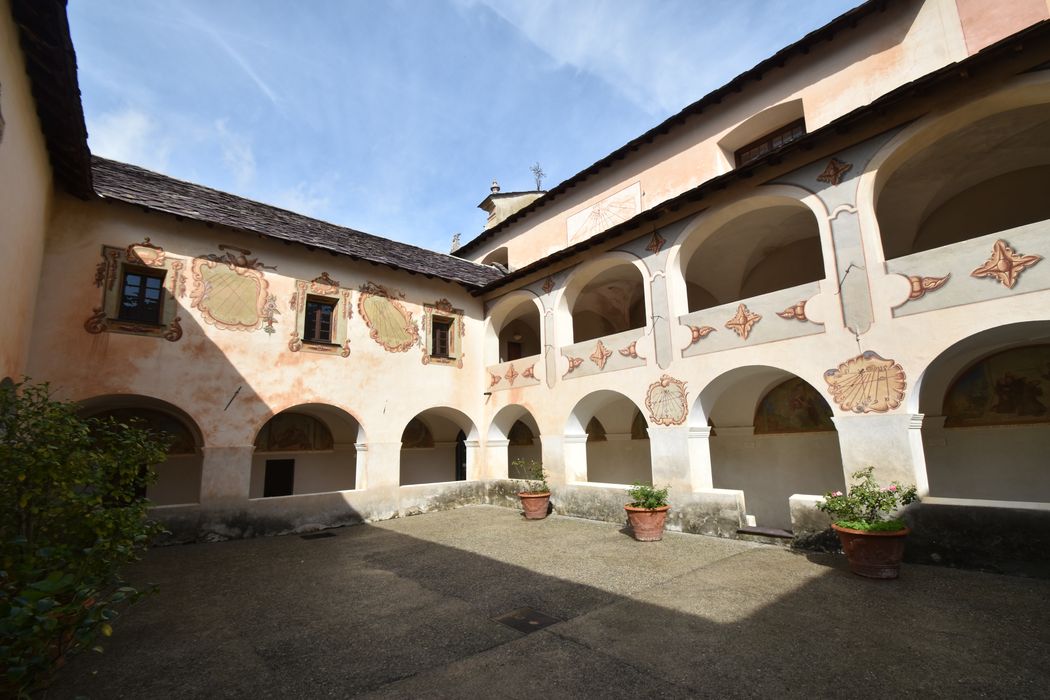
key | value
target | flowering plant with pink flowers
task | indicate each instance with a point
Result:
(867, 505)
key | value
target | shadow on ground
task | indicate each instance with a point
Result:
(406, 607)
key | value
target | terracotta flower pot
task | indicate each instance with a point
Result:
(873, 554)
(647, 524)
(535, 504)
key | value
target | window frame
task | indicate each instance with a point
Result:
(145, 273)
(314, 337)
(442, 313)
(111, 273)
(323, 290)
(768, 140)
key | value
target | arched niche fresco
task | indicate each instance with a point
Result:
(793, 406)
(1008, 388)
(294, 432)
(416, 435)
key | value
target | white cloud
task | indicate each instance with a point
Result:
(303, 198)
(660, 56)
(237, 154)
(129, 135)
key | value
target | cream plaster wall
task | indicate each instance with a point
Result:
(890, 49)
(769, 469)
(1005, 463)
(315, 472)
(25, 200)
(255, 373)
(178, 481)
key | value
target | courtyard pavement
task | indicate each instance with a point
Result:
(406, 608)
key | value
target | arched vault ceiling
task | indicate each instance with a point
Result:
(985, 149)
(721, 262)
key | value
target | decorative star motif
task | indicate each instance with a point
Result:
(600, 355)
(631, 351)
(494, 379)
(834, 171)
(921, 285)
(511, 375)
(656, 244)
(700, 332)
(1005, 265)
(574, 362)
(797, 312)
(743, 321)
(529, 372)
(548, 285)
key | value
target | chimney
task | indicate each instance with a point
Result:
(495, 186)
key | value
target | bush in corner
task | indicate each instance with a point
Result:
(72, 513)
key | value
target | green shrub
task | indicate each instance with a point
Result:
(866, 505)
(71, 514)
(646, 496)
(534, 473)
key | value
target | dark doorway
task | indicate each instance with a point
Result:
(461, 456)
(513, 351)
(280, 477)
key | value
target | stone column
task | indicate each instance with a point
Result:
(669, 448)
(474, 460)
(892, 443)
(700, 458)
(361, 466)
(497, 459)
(226, 474)
(574, 458)
(383, 468)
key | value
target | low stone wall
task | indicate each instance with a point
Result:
(1001, 540)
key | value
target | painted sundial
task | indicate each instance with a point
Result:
(867, 383)
(667, 401)
(230, 291)
(390, 324)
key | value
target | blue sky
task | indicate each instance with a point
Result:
(393, 117)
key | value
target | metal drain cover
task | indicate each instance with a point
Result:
(317, 535)
(526, 620)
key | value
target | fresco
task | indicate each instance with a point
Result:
(1009, 387)
(231, 290)
(667, 401)
(793, 406)
(293, 432)
(389, 323)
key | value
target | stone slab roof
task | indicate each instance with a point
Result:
(133, 185)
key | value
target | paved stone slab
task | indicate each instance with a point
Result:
(405, 608)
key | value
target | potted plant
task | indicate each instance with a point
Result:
(647, 511)
(865, 519)
(536, 495)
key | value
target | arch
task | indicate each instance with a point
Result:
(773, 439)
(605, 296)
(969, 172)
(514, 328)
(307, 448)
(498, 257)
(516, 424)
(603, 425)
(986, 428)
(446, 455)
(179, 476)
(761, 244)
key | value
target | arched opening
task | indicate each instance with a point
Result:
(516, 425)
(179, 476)
(773, 437)
(986, 432)
(519, 332)
(985, 177)
(434, 447)
(611, 302)
(616, 438)
(498, 257)
(760, 251)
(306, 449)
